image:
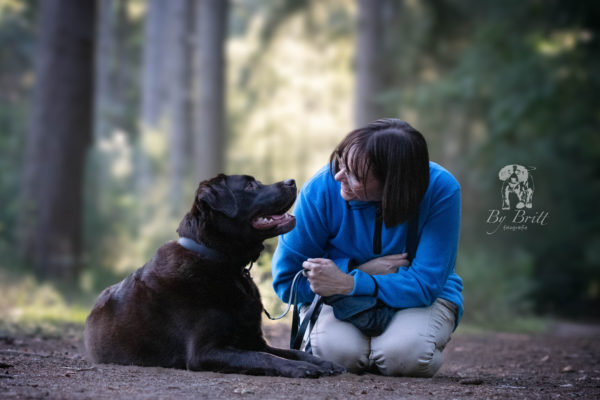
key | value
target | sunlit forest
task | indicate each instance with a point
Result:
(112, 112)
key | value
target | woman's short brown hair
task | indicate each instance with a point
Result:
(398, 156)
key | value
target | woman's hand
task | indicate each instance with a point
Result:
(325, 278)
(385, 265)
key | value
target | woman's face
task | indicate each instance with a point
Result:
(353, 189)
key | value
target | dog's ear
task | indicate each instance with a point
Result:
(190, 226)
(218, 197)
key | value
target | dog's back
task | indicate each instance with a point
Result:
(128, 326)
(149, 317)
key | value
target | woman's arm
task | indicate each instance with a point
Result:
(385, 265)
(326, 278)
(434, 261)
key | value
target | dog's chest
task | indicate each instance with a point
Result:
(246, 290)
(246, 315)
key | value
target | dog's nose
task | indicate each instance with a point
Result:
(289, 182)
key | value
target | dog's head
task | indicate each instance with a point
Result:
(239, 210)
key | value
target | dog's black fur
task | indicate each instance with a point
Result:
(185, 310)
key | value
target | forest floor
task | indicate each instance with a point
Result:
(561, 363)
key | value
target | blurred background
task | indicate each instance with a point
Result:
(112, 111)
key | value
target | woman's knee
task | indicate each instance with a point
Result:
(413, 343)
(352, 356)
(340, 342)
(416, 356)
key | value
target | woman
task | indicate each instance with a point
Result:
(350, 238)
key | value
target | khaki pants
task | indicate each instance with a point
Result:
(411, 345)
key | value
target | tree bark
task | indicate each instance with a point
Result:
(59, 137)
(153, 89)
(209, 129)
(368, 61)
(124, 68)
(114, 69)
(179, 68)
(104, 54)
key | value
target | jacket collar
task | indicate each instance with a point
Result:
(358, 204)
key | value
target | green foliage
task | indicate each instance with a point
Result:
(29, 306)
(496, 286)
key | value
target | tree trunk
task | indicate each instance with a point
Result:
(154, 58)
(124, 70)
(59, 137)
(104, 55)
(368, 61)
(114, 69)
(179, 69)
(153, 88)
(209, 68)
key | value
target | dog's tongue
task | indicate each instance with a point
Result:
(269, 221)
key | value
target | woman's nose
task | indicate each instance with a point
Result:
(340, 176)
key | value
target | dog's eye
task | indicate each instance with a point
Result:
(252, 185)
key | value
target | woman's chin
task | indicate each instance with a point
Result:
(348, 196)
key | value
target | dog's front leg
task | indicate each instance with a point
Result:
(303, 356)
(232, 360)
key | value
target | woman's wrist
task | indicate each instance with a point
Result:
(348, 284)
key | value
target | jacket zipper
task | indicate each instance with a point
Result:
(377, 234)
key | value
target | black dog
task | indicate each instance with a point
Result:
(193, 305)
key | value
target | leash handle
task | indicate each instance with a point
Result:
(298, 332)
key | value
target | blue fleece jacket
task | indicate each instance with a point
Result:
(327, 228)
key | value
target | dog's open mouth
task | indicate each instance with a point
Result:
(273, 221)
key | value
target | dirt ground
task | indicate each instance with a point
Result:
(564, 363)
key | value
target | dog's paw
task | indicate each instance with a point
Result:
(302, 369)
(333, 368)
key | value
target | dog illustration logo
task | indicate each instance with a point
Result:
(517, 185)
